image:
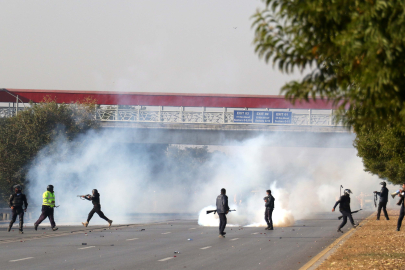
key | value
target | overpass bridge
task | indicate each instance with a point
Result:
(200, 119)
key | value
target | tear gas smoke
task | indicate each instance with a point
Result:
(146, 179)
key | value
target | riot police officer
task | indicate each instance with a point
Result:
(382, 204)
(401, 203)
(16, 203)
(48, 205)
(222, 210)
(344, 208)
(269, 204)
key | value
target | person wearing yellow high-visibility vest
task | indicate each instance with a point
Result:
(48, 204)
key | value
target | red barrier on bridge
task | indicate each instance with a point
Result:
(163, 99)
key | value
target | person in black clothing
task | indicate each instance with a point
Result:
(269, 204)
(401, 202)
(95, 199)
(16, 203)
(222, 210)
(344, 208)
(383, 200)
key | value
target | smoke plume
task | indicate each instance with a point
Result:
(137, 180)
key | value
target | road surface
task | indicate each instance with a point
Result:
(153, 246)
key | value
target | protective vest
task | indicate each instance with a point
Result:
(17, 200)
(48, 199)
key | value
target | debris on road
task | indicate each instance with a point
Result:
(84, 244)
(177, 252)
(190, 239)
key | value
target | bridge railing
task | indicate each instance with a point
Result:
(198, 115)
(155, 114)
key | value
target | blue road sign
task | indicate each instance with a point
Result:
(262, 117)
(242, 116)
(282, 117)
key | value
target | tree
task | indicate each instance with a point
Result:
(355, 50)
(383, 152)
(23, 135)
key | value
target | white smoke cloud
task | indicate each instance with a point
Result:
(136, 179)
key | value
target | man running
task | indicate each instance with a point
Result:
(344, 208)
(95, 199)
(48, 205)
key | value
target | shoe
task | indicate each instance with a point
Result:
(9, 228)
(355, 226)
(339, 230)
(36, 227)
(221, 236)
(109, 222)
(378, 219)
(21, 232)
(54, 229)
(223, 233)
(270, 229)
(388, 219)
(397, 229)
(85, 224)
(266, 228)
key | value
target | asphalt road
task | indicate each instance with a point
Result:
(152, 246)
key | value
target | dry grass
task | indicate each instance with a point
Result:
(375, 245)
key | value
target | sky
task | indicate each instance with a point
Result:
(176, 46)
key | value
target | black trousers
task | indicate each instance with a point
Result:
(47, 212)
(222, 222)
(96, 209)
(346, 214)
(383, 206)
(17, 211)
(401, 217)
(268, 217)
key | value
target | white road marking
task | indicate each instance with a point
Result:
(166, 233)
(206, 247)
(165, 259)
(132, 239)
(255, 233)
(87, 247)
(22, 259)
(234, 239)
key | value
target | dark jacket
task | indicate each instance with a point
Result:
(344, 203)
(95, 199)
(222, 204)
(18, 200)
(383, 194)
(270, 202)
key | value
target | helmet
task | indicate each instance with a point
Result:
(383, 183)
(94, 191)
(17, 187)
(49, 188)
(347, 191)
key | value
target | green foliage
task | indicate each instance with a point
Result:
(383, 152)
(22, 136)
(355, 50)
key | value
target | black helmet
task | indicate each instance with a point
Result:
(49, 188)
(383, 183)
(94, 191)
(18, 187)
(348, 192)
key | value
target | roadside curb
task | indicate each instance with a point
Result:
(329, 250)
